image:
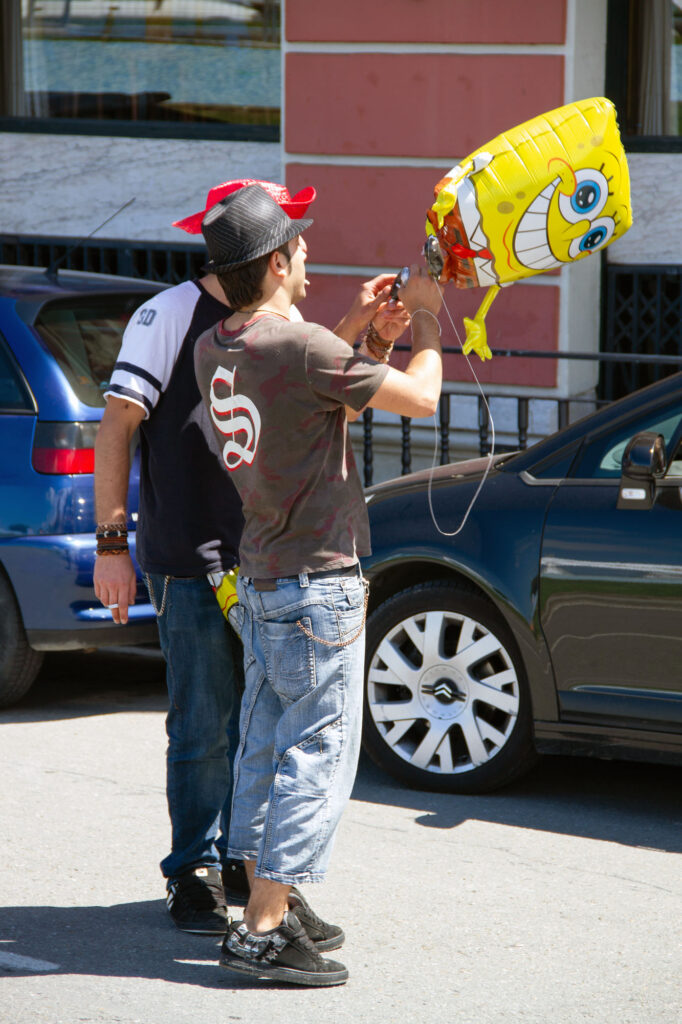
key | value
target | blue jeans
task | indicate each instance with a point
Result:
(203, 674)
(300, 723)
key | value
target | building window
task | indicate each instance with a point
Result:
(211, 64)
(644, 71)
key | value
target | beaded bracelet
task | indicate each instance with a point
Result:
(379, 348)
(113, 551)
(381, 356)
(376, 339)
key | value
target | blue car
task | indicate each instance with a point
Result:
(59, 337)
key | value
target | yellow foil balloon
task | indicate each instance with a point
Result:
(224, 586)
(548, 192)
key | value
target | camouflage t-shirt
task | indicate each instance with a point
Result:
(276, 392)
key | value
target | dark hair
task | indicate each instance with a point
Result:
(243, 286)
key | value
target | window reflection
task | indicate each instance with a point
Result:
(654, 100)
(211, 61)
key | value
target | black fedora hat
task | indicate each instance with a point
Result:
(245, 225)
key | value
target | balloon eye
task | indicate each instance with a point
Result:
(586, 197)
(593, 239)
(599, 234)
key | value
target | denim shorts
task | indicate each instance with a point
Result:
(300, 722)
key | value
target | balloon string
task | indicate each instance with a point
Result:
(491, 453)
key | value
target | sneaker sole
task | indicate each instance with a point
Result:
(195, 930)
(287, 974)
(327, 945)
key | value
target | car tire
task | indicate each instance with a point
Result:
(447, 704)
(19, 663)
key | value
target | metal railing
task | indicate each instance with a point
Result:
(519, 435)
(642, 317)
(641, 340)
(154, 261)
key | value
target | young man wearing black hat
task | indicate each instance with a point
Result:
(189, 525)
(279, 394)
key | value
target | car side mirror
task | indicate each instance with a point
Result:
(643, 463)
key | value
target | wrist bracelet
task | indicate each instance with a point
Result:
(373, 336)
(381, 355)
(429, 313)
(111, 549)
(111, 544)
(111, 530)
(379, 348)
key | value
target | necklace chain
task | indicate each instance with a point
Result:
(263, 309)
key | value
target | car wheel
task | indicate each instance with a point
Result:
(19, 663)
(447, 705)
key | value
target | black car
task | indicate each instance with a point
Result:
(550, 622)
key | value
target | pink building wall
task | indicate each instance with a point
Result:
(373, 121)
(427, 21)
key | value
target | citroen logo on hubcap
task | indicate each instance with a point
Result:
(445, 690)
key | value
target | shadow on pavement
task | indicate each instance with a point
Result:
(632, 803)
(134, 940)
(76, 684)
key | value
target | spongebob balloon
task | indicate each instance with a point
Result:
(224, 585)
(548, 192)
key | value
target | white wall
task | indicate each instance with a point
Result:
(656, 232)
(68, 184)
(581, 283)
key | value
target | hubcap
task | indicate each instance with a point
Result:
(443, 692)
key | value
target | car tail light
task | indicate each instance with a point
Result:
(64, 447)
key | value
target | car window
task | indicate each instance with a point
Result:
(556, 466)
(14, 395)
(84, 335)
(675, 465)
(602, 457)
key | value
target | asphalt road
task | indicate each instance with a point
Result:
(559, 900)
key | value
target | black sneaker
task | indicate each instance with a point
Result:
(325, 936)
(235, 883)
(282, 954)
(196, 901)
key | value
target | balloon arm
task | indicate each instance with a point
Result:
(476, 334)
(225, 589)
